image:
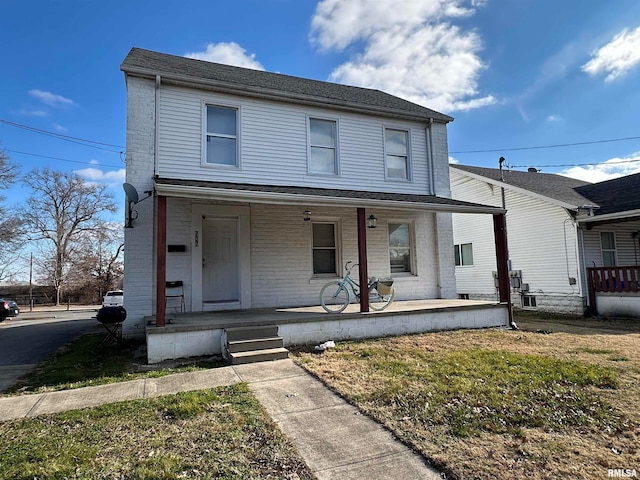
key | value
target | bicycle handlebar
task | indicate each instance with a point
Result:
(349, 268)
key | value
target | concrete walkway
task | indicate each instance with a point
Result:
(335, 440)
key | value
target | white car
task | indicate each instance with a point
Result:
(113, 298)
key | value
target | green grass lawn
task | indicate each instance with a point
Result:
(82, 363)
(222, 433)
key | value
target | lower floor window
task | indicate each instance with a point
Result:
(464, 254)
(529, 301)
(324, 249)
(400, 247)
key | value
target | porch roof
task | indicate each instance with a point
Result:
(279, 194)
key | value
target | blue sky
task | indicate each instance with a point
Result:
(513, 73)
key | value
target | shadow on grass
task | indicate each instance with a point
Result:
(84, 362)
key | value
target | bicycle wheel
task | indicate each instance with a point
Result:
(334, 297)
(378, 301)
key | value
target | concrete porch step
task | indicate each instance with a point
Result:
(239, 358)
(248, 333)
(255, 344)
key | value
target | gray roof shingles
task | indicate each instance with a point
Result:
(611, 196)
(550, 185)
(147, 62)
(329, 192)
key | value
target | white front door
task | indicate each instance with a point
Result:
(220, 265)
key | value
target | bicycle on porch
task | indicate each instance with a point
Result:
(336, 295)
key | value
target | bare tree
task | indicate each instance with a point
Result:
(97, 266)
(61, 209)
(10, 232)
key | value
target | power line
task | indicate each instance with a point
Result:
(67, 138)
(63, 159)
(547, 146)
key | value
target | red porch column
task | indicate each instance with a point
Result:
(502, 258)
(362, 261)
(161, 261)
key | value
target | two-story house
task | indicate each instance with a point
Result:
(262, 186)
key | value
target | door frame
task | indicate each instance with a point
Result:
(243, 215)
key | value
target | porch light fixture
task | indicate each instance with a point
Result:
(372, 221)
(132, 200)
(306, 215)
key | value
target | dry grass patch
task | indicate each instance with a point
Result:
(497, 403)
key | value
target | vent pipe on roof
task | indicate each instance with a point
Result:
(500, 162)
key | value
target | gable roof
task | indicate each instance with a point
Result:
(613, 196)
(274, 86)
(550, 185)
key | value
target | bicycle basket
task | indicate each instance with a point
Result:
(384, 286)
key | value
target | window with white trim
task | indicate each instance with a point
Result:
(396, 154)
(325, 251)
(400, 248)
(529, 301)
(463, 254)
(323, 151)
(221, 142)
(608, 247)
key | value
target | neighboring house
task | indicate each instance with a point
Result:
(261, 185)
(561, 233)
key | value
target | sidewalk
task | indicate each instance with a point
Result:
(332, 436)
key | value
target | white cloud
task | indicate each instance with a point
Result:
(95, 175)
(59, 128)
(612, 168)
(453, 160)
(32, 113)
(554, 118)
(228, 53)
(408, 49)
(51, 99)
(617, 57)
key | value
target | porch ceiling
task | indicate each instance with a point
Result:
(288, 195)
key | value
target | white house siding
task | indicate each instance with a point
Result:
(541, 241)
(281, 252)
(139, 278)
(627, 248)
(273, 143)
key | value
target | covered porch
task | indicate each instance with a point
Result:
(202, 333)
(273, 262)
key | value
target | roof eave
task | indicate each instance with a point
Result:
(608, 217)
(205, 193)
(278, 95)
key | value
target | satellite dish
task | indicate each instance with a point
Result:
(131, 192)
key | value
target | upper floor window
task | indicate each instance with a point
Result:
(325, 251)
(323, 156)
(222, 136)
(400, 248)
(464, 254)
(608, 245)
(396, 154)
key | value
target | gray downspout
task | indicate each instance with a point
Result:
(156, 167)
(430, 163)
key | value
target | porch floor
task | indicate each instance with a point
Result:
(194, 321)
